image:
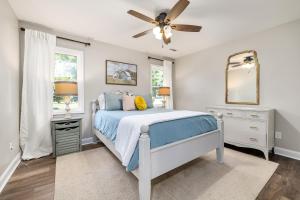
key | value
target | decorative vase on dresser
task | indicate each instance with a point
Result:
(251, 127)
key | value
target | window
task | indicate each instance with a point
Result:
(157, 80)
(68, 66)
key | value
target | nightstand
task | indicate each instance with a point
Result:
(66, 135)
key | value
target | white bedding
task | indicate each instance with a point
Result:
(129, 129)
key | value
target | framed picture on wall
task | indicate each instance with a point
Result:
(119, 73)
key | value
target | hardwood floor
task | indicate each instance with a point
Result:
(34, 179)
(285, 182)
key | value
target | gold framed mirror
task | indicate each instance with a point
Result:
(242, 78)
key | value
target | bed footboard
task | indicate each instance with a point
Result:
(154, 162)
(144, 164)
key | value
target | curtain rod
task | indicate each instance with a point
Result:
(63, 38)
(149, 57)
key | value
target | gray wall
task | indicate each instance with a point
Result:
(200, 77)
(9, 85)
(94, 68)
(94, 73)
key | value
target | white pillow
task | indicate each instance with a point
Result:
(128, 103)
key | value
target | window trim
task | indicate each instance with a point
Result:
(153, 66)
(80, 78)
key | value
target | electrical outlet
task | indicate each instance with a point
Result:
(278, 135)
(11, 146)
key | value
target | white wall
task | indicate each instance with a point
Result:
(200, 77)
(9, 85)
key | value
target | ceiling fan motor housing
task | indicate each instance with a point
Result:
(161, 18)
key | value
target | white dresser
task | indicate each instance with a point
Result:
(251, 127)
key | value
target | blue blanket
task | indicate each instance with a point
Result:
(160, 133)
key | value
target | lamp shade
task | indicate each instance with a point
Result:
(65, 88)
(164, 91)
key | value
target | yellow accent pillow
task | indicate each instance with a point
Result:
(140, 103)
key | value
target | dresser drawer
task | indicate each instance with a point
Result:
(256, 133)
(214, 111)
(66, 124)
(256, 127)
(245, 131)
(257, 115)
(67, 131)
(232, 113)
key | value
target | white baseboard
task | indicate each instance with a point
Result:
(9, 171)
(90, 140)
(287, 153)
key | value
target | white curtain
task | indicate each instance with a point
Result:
(37, 94)
(168, 66)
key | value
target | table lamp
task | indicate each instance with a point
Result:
(164, 91)
(66, 89)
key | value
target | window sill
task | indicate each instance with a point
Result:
(74, 113)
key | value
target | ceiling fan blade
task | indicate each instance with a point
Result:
(233, 66)
(165, 39)
(142, 33)
(234, 63)
(186, 27)
(142, 17)
(177, 10)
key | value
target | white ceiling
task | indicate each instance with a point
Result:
(107, 20)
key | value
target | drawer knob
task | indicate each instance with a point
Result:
(253, 139)
(255, 116)
(254, 127)
(229, 113)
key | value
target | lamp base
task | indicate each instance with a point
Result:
(68, 109)
(164, 101)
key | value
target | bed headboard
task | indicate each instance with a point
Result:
(95, 103)
(95, 108)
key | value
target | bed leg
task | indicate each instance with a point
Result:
(220, 148)
(144, 165)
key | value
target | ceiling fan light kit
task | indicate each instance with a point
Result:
(163, 26)
(158, 32)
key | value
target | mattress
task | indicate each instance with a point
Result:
(160, 133)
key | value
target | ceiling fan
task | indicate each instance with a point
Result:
(163, 22)
(247, 60)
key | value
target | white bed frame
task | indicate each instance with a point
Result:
(157, 161)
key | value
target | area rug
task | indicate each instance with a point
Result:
(97, 175)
